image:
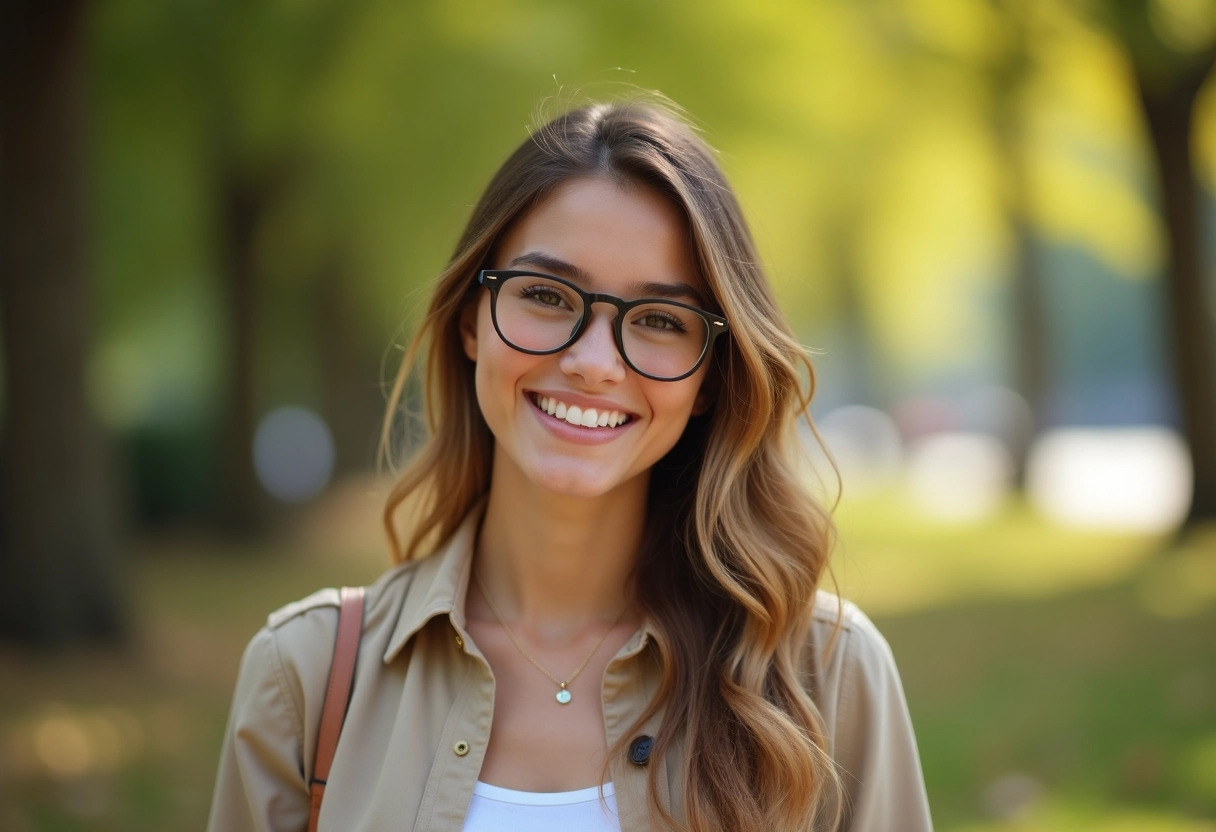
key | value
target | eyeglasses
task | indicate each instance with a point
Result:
(539, 314)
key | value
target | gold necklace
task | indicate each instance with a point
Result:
(563, 693)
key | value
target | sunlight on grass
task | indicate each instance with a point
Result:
(1053, 675)
(893, 559)
(1185, 583)
(1063, 817)
(1198, 768)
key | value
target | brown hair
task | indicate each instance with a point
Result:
(735, 545)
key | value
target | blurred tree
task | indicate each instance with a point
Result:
(322, 156)
(350, 394)
(242, 205)
(257, 61)
(991, 43)
(251, 68)
(59, 562)
(1006, 75)
(1171, 47)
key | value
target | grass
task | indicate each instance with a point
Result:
(1057, 680)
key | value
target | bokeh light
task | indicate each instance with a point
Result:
(1135, 479)
(866, 446)
(293, 454)
(959, 476)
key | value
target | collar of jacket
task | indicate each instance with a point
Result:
(441, 582)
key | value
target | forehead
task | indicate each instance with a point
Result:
(616, 235)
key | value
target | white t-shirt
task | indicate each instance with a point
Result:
(495, 809)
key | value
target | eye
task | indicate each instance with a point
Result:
(546, 295)
(660, 319)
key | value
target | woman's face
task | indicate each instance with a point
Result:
(604, 238)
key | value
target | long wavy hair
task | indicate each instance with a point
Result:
(734, 546)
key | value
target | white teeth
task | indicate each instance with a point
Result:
(575, 415)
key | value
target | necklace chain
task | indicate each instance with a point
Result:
(563, 693)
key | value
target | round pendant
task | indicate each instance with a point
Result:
(563, 696)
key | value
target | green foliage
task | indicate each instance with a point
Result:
(866, 139)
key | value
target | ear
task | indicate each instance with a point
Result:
(706, 395)
(468, 329)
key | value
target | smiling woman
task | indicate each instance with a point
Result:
(606, 611)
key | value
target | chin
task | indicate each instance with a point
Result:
(578, 484)
(572, 486)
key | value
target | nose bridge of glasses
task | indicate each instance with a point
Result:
(595, 351)
(608, 300)
(607, 321)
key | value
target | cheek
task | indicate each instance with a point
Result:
(677, 402)
(498, 372)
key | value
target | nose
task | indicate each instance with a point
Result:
(594, 356)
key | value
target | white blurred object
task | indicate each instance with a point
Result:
(293, 454)
(1132, 479)
(866, 446)
(961, 476)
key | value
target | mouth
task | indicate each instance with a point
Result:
(589, 417)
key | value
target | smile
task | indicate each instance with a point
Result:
(575, 415)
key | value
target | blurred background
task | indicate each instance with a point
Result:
(992, 218)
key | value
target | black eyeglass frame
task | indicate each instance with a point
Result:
(715, 325)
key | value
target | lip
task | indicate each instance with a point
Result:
(576, 433)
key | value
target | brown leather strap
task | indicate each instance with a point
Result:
(337, 695)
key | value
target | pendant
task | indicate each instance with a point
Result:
(564, 696)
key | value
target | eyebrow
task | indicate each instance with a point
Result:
(645, 289)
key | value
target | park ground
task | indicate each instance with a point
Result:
(1058, 680)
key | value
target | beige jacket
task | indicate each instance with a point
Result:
(421, 708)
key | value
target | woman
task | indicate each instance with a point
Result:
(606, 612)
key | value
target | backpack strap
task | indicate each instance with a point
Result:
(337, 695)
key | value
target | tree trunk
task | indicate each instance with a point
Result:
(1169, 112)
(241, 503)
(1030, 338)
(59, 564)
(353, 404)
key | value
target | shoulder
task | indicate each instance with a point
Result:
(860, 697)
(853, 672)
(285, 667)
(841, 634)
(832, 611)
(298, 624)
(295, 647)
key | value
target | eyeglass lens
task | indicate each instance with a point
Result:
(660, 339)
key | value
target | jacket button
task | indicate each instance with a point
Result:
(461, 748)
(459, 643)
(639, 750)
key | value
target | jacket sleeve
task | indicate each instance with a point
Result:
(261, 785)
(875, 746)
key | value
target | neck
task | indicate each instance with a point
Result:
(556, 562)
